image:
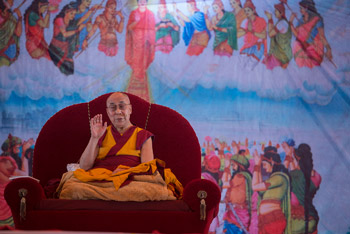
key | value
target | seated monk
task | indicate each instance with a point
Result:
(117, 155)
(115, 136)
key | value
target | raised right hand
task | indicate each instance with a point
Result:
(97, 127)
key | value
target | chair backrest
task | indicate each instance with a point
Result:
(65, 135)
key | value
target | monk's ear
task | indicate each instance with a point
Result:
(130, 109)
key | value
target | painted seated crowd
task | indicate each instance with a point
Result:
(16, 159)
(271, 39)
(266, 188)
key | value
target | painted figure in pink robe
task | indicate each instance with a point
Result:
(254, 32)
(7, 169)
(140, 40)
(308, 49)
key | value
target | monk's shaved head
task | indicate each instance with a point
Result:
(118, 97)
(119, 110)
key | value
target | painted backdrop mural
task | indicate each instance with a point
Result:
(265, 84)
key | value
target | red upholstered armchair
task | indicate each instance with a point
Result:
(63, 139)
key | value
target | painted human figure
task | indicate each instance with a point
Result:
(195, 33)
(10, 32)
(305, 183)
(16, 148)
(36, 20)
(238, 11)
(274, 208)
(140, 40)
(224, 25)
(8, 167)
(167, 29)
(64, 41)
(310, 43)
(108, 25)
(211, 171)
(238, 197)
(14, 161)
(280, 52)
(289, 153)
(83, 16)
(254, 33)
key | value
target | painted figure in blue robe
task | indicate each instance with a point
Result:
(84, 16)
(195, 33)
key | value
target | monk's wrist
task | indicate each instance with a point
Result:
(94, 139)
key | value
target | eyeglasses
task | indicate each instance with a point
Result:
(121, 106)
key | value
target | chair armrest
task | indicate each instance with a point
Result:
(191, 190)
(35, 193)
